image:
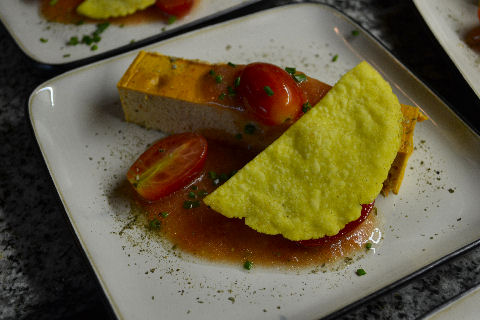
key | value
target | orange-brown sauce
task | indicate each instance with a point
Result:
(209, 235)
(472, 38)
(64, 11)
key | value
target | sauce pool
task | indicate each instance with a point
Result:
(209, 235)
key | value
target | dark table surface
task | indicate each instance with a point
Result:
(43, 274)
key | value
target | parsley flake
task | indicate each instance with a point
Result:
(248, 265)
(306, 106)
(360, 272)
(268, 90)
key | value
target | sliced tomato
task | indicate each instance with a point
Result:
(270, 93)
(168, 165)
(366, 209)
(177, 8)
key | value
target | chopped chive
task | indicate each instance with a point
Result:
(202, 193)
(67, 55)
(154, 224)
(249, 128)
(236, 83)
(87, 40)
(171, 19)
(191, 204)
(101, 27)
(53, 2)
(223, 177)
(218, 78)
(94, 47)
(231, 91)
(335, 58)
(212, 174)
(306, 106)
(248, 265)
(211, 72)
(368, 245)
(43, 40)
(194, 187)
(233, 65)
(268, 90)
(299, 77)
(221, 96)
(291, 70)
(164, 214)
(192, 195)
(73, 41)
(355, 33)
(360, 272)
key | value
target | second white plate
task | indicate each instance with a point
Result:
(450, 21)
(46, 42)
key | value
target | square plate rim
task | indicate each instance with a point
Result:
(374, 40)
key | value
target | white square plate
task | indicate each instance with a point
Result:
(88, 148)
(450, 21)
(24, 21)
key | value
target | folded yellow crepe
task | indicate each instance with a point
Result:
(103, 9)
(312, 180)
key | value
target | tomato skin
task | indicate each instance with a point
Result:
(366, 209)
(280, 102)
(168, 165)
(177, 8)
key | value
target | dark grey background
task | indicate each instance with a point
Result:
(43, 274)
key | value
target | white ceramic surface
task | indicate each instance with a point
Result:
(450, 21)
(88, 147)
(25, 23)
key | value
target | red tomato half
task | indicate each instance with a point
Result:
(366, 209)
(270, 93)
(168, 165)
(478, 11)
(177, 8)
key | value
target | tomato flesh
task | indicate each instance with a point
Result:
(270, 93)
(478, 10)
(177, 8)
(168, 165)
(366, 209)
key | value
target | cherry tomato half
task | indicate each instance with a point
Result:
(270, 93)
(177, 8)
(478, 10)
(366, 209)
(168, 165)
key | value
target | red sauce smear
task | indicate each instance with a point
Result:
(473, 38)
(64, 11)
(209, 235)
